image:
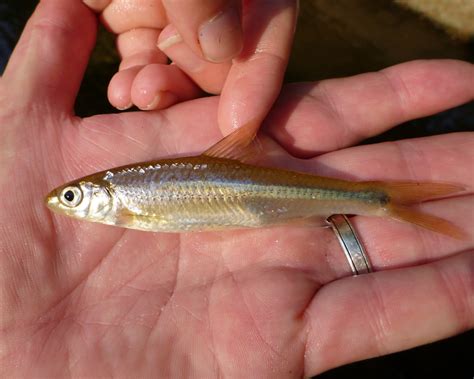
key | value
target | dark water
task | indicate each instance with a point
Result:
(333, 39)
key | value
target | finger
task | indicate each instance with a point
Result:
(335, 113)
(136, 43)
(389, 243)
(154, 86)
(41, 68)
(122, 15)
(209, 76)
(137, 47)
(254, 81)
(211, 28)
(445, 158)
(389, 311)
(159, 86)
(119, 91)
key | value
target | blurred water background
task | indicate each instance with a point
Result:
(333, 39)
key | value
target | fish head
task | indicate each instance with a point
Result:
(83, 199)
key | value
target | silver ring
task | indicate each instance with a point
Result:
(350, 244)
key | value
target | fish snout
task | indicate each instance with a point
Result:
(52, 200)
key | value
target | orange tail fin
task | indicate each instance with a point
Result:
(405, 193)
(427, 221)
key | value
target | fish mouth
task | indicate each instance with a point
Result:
(51, 200)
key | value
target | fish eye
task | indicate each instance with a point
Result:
(71, 196)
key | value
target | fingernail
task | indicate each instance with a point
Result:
(162, 100)
(182, 55)
(221, 36)
(153, 104)
(124, 108)
(169, 41)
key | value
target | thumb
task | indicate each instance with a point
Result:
(211, 28)
(48, 63)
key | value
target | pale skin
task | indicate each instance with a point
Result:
(88, 300)
(235, 48)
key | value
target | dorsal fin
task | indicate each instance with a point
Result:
(241, 144)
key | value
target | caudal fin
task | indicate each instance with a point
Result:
(401, 194)
(427, 221)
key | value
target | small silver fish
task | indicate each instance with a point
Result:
(219, 190)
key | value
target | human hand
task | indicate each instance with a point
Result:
(209, 49)
(89, 300)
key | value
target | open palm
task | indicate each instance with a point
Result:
(84, 299)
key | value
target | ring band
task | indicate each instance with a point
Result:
(350, 244)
